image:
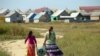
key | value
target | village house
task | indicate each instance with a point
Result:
(74, 17)
(30, 18)
(41, 17)
(23, 13)
(56, 15)
(48, 11)
(3, 12)
(86, 16)
(95, 16)
(14, 16)
(88, 12)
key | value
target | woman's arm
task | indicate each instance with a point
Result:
(26, 39)
(34, 39)
(45, 40)
(55, 37)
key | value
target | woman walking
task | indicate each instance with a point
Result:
(50, 44)
(31, 44)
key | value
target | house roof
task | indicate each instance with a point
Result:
(89, 8)
(11, 13)
(30, 15)
(97, 13)
(3, 10)
(39, 15)
(41, 9)
(84, 13)
(57, 13)
(73, 15)
(19, 11)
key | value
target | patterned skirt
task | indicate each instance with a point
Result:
(53, 50)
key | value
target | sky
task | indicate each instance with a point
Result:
(55, 4)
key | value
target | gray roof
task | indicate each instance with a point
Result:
(3, 10)
(30, 15)
(11, 13)
(57, 12)
(39, 15)
(19, 11)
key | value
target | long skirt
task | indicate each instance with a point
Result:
(53, 50)
(30, 49)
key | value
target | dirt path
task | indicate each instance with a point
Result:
(17, 47)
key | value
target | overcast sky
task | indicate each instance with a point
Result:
(59, 4)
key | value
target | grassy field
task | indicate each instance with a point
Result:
(9, 31)
(80, 39)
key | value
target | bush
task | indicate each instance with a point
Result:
(12, 29)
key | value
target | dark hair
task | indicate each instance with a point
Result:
(50, 29)
(30, 33)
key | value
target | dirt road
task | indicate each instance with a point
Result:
(17, 47)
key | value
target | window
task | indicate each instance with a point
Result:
(17, 15)
(55, 18)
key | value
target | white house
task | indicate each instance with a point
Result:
(39, 16)
(76, 16)
(56, 15)
(3, 12)
(95, 16)
(42, 17)
(13, 16)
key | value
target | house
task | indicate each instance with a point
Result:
(86, 11)
(74, 17)
(23, 13)
(86, 15)
(89, 8)
(41, 17)
(30, 18)
(3, 12)
(56, 15)
(13, 16)
(95, 16)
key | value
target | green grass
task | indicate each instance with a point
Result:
(80, 39)
(80, 43)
